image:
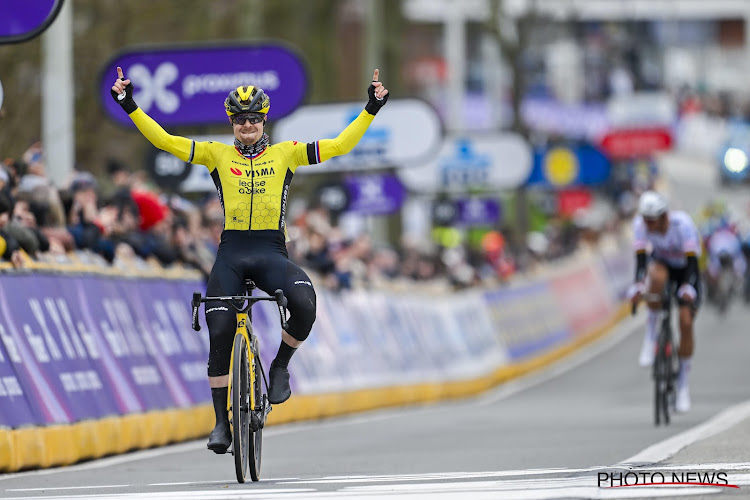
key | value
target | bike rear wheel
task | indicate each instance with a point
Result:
(256, 436)
(241, 407)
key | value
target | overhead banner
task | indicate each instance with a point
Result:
(188, 85)
(21, 21)
(405, 132)
(497, 161)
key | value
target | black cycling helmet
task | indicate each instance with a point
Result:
(247, 99)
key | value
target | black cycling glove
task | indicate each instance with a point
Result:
(125, 99)
(374, 104)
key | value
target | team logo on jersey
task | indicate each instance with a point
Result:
(152, 88)
(236, 171)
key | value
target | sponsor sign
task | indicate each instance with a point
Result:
(19, 23)
(623, 144)
(14, 407)
(569, 201)
(574, 121)
(527, 319)
(562, 166)
(473, 212)
(405, 132)
(56, 361)
(187, 86)
(498, 161)
(166, 169)
(641, 110)
(583, 299)
(374, 194)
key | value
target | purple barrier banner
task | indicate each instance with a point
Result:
(162, 316)
(188, 85)
(57, 361)
(129, 350)
(14, 408)
(527, 319)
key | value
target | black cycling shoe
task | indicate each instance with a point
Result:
(220, 438)
(278, 387)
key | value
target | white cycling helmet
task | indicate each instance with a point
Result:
(652, 205)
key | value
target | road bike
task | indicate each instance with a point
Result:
(247, 399)
(666, 361)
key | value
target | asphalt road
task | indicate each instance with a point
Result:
(568, 432)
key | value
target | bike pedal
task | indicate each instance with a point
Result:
(255, 422)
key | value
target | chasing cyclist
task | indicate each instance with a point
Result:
(724, 250)
(674, 246)
(252, 178)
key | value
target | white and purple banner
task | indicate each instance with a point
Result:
(85, 347)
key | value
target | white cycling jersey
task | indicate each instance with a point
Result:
(681, 238)
(724, 241)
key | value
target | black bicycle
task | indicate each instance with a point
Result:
(666, 361)
(247, 401)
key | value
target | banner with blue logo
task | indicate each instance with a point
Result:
(563, 166)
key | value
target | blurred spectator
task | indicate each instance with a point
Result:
(9, 247)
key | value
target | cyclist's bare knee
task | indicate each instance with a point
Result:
(656, 281)
(289, 340)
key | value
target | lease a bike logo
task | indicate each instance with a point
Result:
(152, 89)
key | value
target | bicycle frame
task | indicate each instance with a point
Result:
(247, 406)
(663, 370)
(243, 328)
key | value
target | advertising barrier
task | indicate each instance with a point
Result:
(93, 364)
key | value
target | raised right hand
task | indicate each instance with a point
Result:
(122, 92)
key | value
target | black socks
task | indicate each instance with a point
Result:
(284, 354)
(219, 396)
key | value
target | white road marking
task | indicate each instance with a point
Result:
(667, 448)
(99, 486)
(186, 483)
(450, 486)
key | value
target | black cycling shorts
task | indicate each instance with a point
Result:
(262, 257)
(678, 276)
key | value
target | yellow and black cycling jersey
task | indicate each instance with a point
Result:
(253, 190)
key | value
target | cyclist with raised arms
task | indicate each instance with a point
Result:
(252, 178)
(674, 244)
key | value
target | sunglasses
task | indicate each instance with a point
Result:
(241, 118)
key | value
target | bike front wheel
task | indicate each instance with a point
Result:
(256, 434)
(661, 388)
(241, 407)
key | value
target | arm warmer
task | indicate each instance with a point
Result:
(640, 266)
(693, 274)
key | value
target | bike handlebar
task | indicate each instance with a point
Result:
(278, 297)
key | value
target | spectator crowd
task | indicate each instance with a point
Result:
(129, 220)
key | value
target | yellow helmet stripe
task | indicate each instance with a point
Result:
(245, 92)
